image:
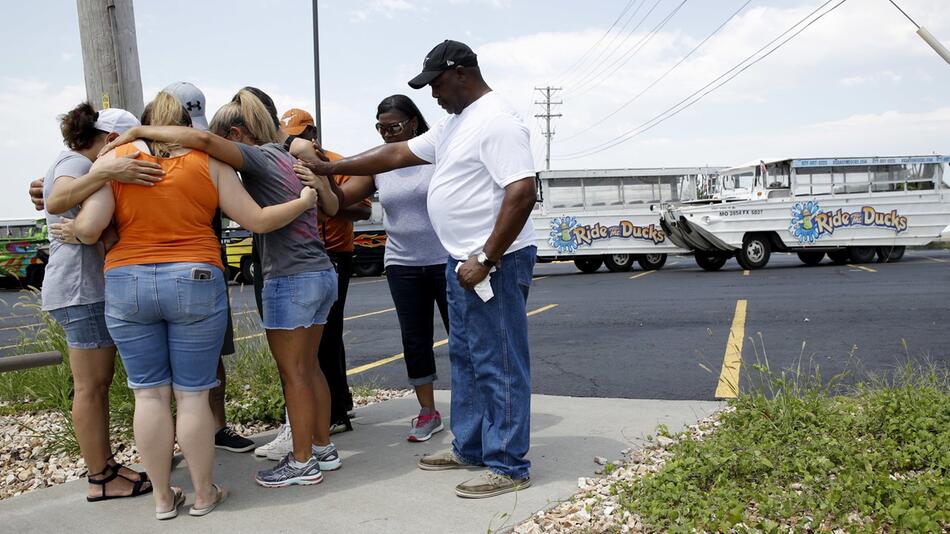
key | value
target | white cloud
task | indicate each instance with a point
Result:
(840, 49)
(29, 136)
(387, 8)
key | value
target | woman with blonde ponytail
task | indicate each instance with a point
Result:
(165, 304)
(300, 283)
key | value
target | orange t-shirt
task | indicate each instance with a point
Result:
(169, 222)
(337, 232)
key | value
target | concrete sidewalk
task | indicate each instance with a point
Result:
(379, 488)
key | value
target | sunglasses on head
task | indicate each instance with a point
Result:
(395, 128)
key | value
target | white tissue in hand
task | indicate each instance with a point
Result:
(483, 288)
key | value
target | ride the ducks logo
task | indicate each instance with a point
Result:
(809, 223)
(567, 235)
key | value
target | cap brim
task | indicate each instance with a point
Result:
(424, 78)
(294, 130)
(200, 123)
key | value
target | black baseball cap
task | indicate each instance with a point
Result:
(445, 56)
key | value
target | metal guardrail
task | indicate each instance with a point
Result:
(29, 361)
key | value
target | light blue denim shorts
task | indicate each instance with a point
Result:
(168, 321)
(85, 325)
(299, 300)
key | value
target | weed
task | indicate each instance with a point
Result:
(801, 453)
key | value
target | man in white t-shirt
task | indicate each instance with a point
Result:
(480, 199)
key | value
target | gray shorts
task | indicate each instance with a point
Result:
(85, 325)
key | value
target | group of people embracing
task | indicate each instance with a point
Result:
(136, 264)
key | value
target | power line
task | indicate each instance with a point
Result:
(595, 64)
(624, 59)
(664, 75)
(602, 37)
(547, 92)
(670, 113)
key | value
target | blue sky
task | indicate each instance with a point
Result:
(858, 82)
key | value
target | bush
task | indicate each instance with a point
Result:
(793, 455)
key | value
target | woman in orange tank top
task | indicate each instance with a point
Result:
(165, 295)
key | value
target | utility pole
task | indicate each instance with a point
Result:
(110, 56)
(318, 118)
(547, 92)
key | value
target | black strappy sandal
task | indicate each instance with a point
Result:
(113, 471)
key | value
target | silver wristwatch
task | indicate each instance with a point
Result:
(483, 260)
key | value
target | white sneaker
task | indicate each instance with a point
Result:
(279, 446)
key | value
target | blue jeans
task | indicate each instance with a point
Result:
(168, 323)
(491, 374)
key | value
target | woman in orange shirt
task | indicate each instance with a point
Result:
(165, 295)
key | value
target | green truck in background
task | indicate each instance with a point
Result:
(24, 249)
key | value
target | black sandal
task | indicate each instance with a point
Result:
(113, 474)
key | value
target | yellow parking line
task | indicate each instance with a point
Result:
(644, 273)
(535, 279)
(369, 314)
(938, 260)
(367, 282)
(746, 272)
(437, 344)
(728, 386)
(863, 268)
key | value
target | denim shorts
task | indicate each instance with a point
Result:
(299, 300)
(85, 325)
(168, 322)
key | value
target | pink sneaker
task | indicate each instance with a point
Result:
(424, 426)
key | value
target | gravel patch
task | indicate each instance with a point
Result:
(595, 507)
(28, 464)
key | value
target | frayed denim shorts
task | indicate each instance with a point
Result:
(85, 325)
(299, 300)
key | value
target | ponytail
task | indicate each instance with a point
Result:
(165, 110)
(246, 110)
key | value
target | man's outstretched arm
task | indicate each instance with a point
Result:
(377, 160)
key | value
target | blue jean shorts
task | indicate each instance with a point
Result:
(299, 300)
(85, 325)
(168, 321)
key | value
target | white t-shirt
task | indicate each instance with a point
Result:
(476, 154)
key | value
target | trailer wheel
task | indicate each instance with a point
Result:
(618, 263)
(651, 262)
(839, 256)
(890, 254)
(588, 264)
(755, 252)
(811, 257)
(247, 270)
(710, 261)
(373, 268)
(862, 254)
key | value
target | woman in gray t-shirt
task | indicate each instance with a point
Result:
(415, 259)
(299, 279)
(73, 295)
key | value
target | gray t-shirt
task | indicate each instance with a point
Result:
(268, 175)
(410, 239)
(73, 272)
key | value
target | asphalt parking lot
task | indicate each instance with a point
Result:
(662, 334)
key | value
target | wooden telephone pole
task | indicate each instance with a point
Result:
(110, 56)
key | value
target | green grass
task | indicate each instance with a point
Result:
(798, 453)
(253, 392)
(51, 387)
